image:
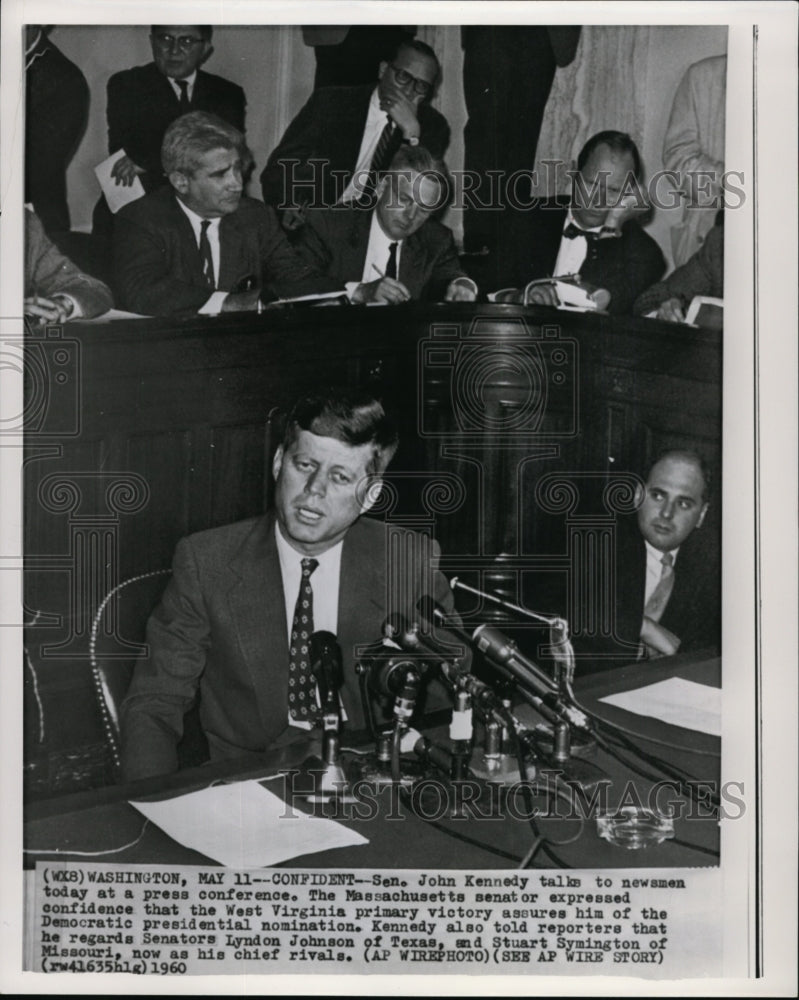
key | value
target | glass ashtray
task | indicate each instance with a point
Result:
(634, 828)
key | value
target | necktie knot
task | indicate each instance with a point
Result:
(183, 100)
(308, 566)
(667, 561)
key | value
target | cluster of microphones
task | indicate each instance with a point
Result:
(434, 643)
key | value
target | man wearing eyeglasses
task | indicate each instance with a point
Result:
(145, 100)
(344, 136)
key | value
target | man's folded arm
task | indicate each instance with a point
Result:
(166, 679)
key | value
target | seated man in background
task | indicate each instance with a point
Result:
(55, 289)
(343, 136)
(145, 100)
(244, 599)
(703, 274)
(667, 575)
(198, 245)
(594, 234)
(396, 252)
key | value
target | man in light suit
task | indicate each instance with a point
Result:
(55, 289)
(327, 152)
(595, 233)
(232, 623)
(199, 246)
(396, 252)
(667, 574)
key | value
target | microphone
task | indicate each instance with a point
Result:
(327, 666)
(505, 654)
(407, 635)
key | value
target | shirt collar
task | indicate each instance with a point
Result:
(195, 219)
(656, 555)
(288, 554)
(570, 220)
(184, 79)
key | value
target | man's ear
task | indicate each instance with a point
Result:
(640, 493)
(277, 461)
(702, 516)
(381, 69)
(208, 51)
(179, 181)
(371, 491)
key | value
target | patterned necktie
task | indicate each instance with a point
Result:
(391, 266)
(205, 254)
(183, 101)
(302, 683)
(384, 150)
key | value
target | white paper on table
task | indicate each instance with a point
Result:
(243, 825)
(675, 701)
(117, 195)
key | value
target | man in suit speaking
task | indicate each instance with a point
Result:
(236, 618)
(199, 245)
(396, 252)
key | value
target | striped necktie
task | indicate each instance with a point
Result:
(205, 254)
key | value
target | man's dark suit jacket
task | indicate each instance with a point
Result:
(625, 266)
(221, 629)
(56, 112)
(693, 612)
(142, 105)
(158, 271)
(330, 128)
(334, 241)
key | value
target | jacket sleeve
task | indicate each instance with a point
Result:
(287, 272)
(446, 266)
(643, 266)
(166, 680)
(51, 273)
(143, 281)
(700, 275)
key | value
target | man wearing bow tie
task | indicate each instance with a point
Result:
(594, 234)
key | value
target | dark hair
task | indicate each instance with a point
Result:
(206, 30)
(196, 133)
(619, 142)
(687, 455)
(418, 46)
(419, 160)
(356, 418)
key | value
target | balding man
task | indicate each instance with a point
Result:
(666, 571)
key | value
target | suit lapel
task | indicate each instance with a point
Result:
(258, 612)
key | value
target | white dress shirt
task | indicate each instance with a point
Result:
(376, 121)
(325, 587)
(376, 260)
(572, 253)
(215, 300)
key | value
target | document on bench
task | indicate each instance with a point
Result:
(675, 701)
(243, 825)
